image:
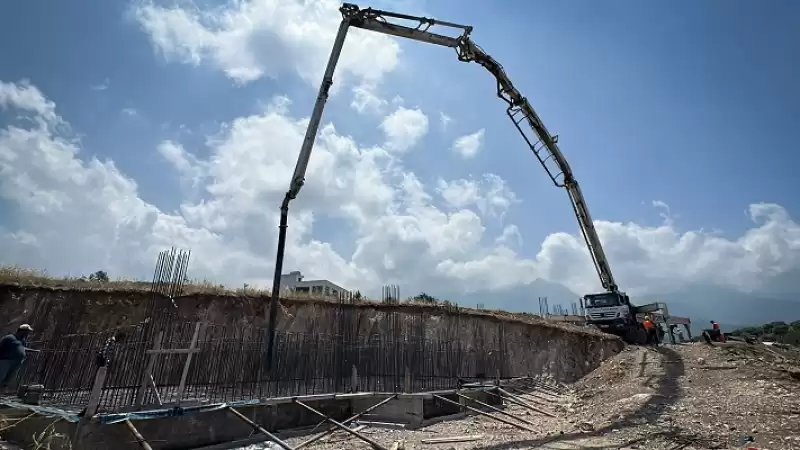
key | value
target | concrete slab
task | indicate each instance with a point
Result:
(216, 427)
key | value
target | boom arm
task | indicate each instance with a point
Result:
(519, 110)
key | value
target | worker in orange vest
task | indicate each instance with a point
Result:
(650, 327)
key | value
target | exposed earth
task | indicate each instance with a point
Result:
(689, 396)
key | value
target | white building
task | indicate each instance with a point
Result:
(293, 281)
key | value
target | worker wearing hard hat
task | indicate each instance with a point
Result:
(650, 327)
(12, 352)
(716, 333)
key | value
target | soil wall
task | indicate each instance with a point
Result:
(559, 351)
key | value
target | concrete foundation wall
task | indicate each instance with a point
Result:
(405, 410)
(531, 347)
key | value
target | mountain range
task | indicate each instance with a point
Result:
(732, 309)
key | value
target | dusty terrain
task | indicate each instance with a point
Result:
(689, 396)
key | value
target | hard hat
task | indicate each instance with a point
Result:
(25, 327)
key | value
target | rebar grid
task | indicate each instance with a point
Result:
(386, 349)
(229, 363)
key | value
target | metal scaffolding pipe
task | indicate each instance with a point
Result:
(496, 409)
(342, 427)
(260, 429)
(328, 432)
(485, 414)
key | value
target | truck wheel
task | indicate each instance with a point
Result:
(641, 336)
(631, 337)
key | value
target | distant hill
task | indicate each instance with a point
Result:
(787, 333)
(731, 309)
(524, 298)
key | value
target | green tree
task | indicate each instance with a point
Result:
(780, 329)
(100, 276)
(753, 331)
(792, 337)
(425, 298)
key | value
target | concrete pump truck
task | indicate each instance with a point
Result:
(611, 310)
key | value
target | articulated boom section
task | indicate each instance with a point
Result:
(519, 110)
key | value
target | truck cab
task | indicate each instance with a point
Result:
(608, 310)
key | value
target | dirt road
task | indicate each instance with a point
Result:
(687, 397)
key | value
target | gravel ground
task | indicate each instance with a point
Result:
(689, 396)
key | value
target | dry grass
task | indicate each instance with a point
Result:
(32, 278)
(24, 277)
(43, 440)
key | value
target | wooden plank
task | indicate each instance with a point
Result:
(450, 439)
(188, 363)
(155, 390)
(148, 371)
(97, 391)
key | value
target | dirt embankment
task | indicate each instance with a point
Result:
(531, 345)
(677, 397)
(695, 396)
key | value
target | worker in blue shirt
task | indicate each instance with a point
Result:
(12, 352)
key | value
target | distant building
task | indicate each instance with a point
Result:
(293, 282)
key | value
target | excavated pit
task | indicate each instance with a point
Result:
(531, 347)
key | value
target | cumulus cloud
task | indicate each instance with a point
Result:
(250, 39)
(73, 213)
(366, 99)
(404, 128)
(490, 195)
(184, 162)
(470, 144)
(510, 237)
(27, 98)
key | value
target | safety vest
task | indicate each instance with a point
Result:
(647, 324)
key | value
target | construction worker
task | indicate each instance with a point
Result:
(104, 356)
(12, 353)
(650, 327)
(717, 334)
